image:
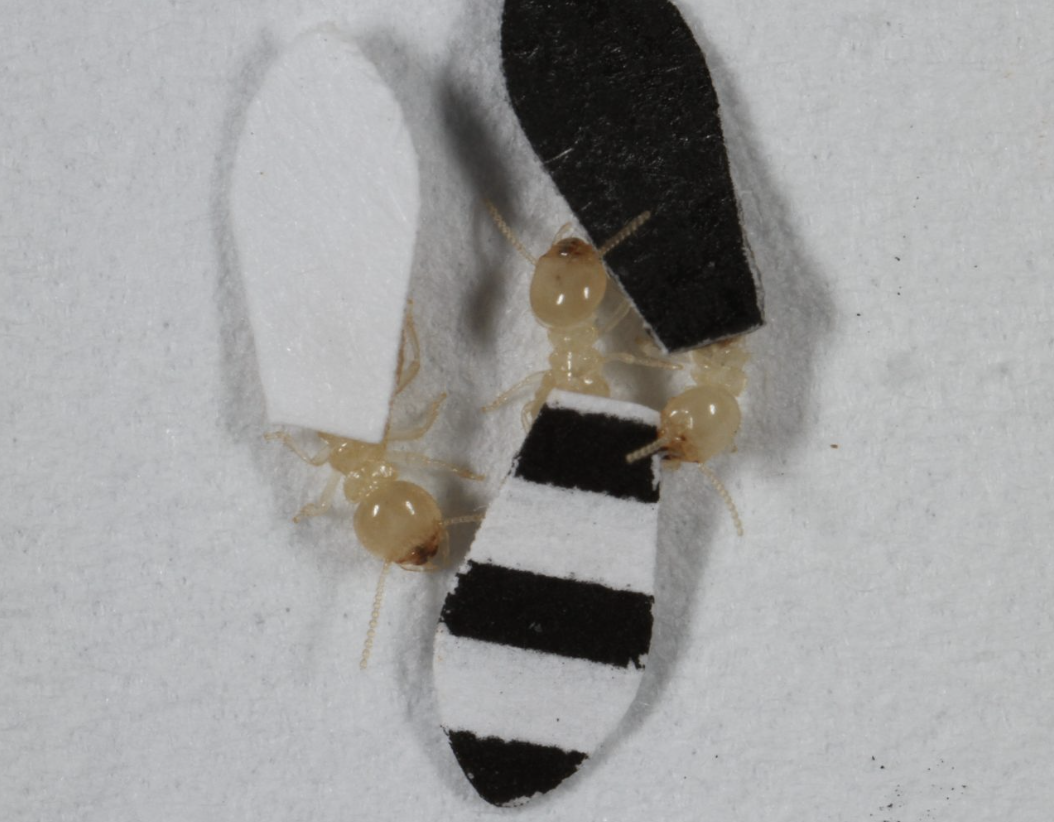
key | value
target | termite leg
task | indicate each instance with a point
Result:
(630, 359)
(313, 509)
(534, 407)
(615, 318)
(419, 431)
(421, 459)
(509, 393)
(649, 348)
(316, 460)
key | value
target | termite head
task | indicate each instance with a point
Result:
(695, 426)
(700, 423)
(400, 522)
(568, 284)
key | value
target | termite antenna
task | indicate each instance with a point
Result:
(624, 233)
(648, 450)
(510, 235)
(723, 493)
(375, 615)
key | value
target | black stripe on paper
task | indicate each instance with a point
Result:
(503, 771)
(570, 618)
(616, 99)
(571, 449)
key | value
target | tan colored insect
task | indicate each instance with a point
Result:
(567, 287)
(397, 521)
(701, 422)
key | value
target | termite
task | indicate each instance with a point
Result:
(567, 287)
(397, 521)
(701, 422)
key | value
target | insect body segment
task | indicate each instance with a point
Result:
(721, 364)
(702, 422)
(567, 287)
(543, 640)
(395, 520)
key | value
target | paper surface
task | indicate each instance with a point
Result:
(174, 648)
(324, 206)
(544, 635)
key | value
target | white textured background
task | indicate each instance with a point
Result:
(879, 647)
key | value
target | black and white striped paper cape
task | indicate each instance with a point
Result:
(543, 638)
